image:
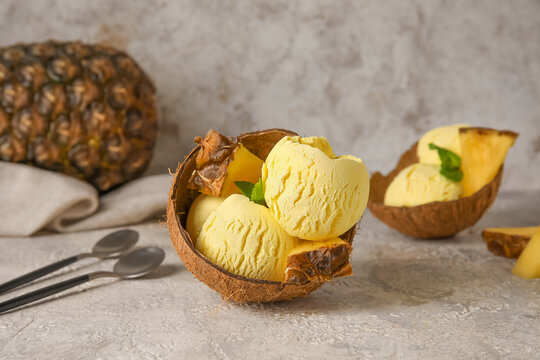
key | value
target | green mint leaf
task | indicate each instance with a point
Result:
(253, 192)
(449, 159)
(257, 195)
(450, 163)
(452, 175)
(245, 187)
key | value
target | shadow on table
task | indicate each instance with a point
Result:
(380, 284)
(164, 271)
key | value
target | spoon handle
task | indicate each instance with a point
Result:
(43, 292)
(37, 274)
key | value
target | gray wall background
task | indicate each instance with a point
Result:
(371, 76)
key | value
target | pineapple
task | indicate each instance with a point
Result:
(525, 232)
(221, 162)
(482, 154)
(528, 264)
(508, 242)
(88, 111)
(318, 261)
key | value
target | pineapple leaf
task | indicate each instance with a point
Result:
(450, 163)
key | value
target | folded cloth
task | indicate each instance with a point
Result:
(32, 199)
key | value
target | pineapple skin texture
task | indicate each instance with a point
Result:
(88, 111)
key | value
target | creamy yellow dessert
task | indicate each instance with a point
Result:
(445, 136)
(286, 224)
(311, 193)
(430, 179)
(419, 184)
(200, 210)
(243, 238)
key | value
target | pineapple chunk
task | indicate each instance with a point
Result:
(318, 261)
(220, 162)
(518, 231)
(508, 242)
(528, 264)
(244, 167)
(482, 154)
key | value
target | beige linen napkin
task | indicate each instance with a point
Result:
(32, 199)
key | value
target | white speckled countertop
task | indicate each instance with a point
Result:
(408, 298)
(371, 76)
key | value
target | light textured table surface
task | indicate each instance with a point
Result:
(407, 298)
(371, 76)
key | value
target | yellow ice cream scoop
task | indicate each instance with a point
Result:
(446, 137)
(419, 184)
(243, 238)
(200, 210)
(313, 194)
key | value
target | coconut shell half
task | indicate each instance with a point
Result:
(437, 219)
(231, 286)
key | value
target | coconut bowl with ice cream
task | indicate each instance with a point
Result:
(427, 199)
(244, 247)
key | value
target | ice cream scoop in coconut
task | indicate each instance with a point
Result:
(233, 286)
(440, 219)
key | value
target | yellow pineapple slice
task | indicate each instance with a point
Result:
(508, 242)
(222, 161)
(482, 154)
(527, 232)
(528, 264)
(244, 167)
(318, 261)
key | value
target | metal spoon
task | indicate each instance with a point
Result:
(130, 266)
(110, 246)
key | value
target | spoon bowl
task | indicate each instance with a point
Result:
(130, 266)
(110, 246)
(139, 262)
(115, 244)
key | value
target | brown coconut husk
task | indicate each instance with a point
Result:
(433, 220)
(503, 244)
(231, 286)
